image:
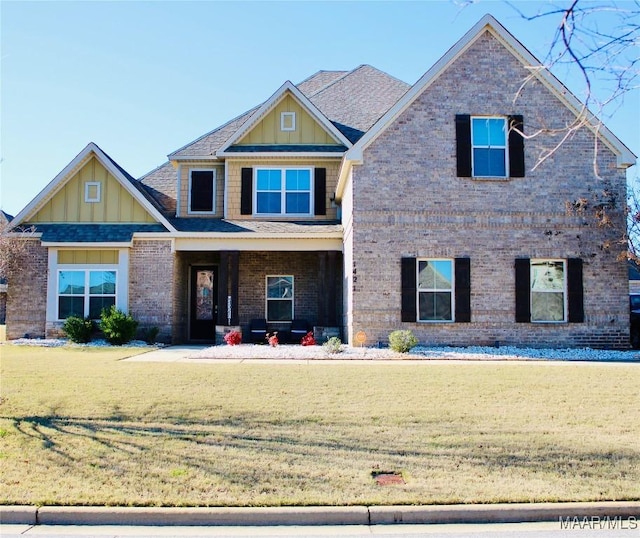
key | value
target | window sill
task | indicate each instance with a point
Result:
(481, 178)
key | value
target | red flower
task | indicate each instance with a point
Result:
(233, 338)
(308, 340)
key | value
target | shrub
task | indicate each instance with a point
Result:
(402, 341)
(78, 329)
(272, 338)
(118, 328)
(332, 345)
(233, 338)
(150, 335)
(308, 340)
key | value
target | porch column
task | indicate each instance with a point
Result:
(332, 299)
(223, 279)
(322, 289)
(234, 270)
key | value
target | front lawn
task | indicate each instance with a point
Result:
(80, 426)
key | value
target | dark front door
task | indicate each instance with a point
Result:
(204, 291)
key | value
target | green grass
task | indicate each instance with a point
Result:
(80, 426)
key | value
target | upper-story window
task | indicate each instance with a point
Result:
(287, 121)
(284, 191)
(489, 143)
(490, 147)
(202, 191)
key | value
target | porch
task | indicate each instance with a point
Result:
(221, 290)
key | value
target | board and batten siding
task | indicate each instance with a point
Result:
(307, 129)
(115, 204)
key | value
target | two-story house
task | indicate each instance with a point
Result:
(353, 201)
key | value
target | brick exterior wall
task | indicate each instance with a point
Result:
(27, 293)
(151, 286)
(255, 266)
(407, 201)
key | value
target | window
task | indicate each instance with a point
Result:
(92, 192)
(489, 147)
(288, 121)
(548, 290)
(202, 191)
(435, 290)
(279, 298)
(283, 191)
(85, 293)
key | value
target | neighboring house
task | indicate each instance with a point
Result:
(5, 219)
(355, 202)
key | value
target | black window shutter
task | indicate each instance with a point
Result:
(463, 289)
(516, 146)
(408, 282)
(463, 145)
(523, 290)
(575, 290)
(320, 191)
(246, 192)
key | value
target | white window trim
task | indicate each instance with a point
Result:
(267, 298)
(283, 192)
(215, 188)
(87, 192)
(122, 280)
(505, 147)
(451, 290)
(86, 269)
(565, 294)
(283, 121)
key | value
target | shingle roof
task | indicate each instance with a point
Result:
(209, 143)
(161, 185)
(253, 226)
(351, 100)
(93, 233)
(319, 80)
(356, 101)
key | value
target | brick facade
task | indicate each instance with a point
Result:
(304, 266)
(27, 293)
(408, 201)
(151, 286)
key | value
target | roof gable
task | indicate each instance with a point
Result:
(287, 96)
(92, 188)
(490, 24)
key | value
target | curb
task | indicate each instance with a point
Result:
(319, 515)
(232, 516)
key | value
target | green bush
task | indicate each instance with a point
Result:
(332, 345)
(118, 328)
(150, 335)
(402, 341)
(78, 329)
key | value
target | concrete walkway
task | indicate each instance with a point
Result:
(321, 515)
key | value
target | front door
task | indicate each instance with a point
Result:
(204, 291)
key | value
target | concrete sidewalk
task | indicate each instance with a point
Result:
(320, 515)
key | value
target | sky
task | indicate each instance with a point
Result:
(142, 79)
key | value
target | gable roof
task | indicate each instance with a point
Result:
(489, 24)
(125, 179)
(269, 104)
(352, 101)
